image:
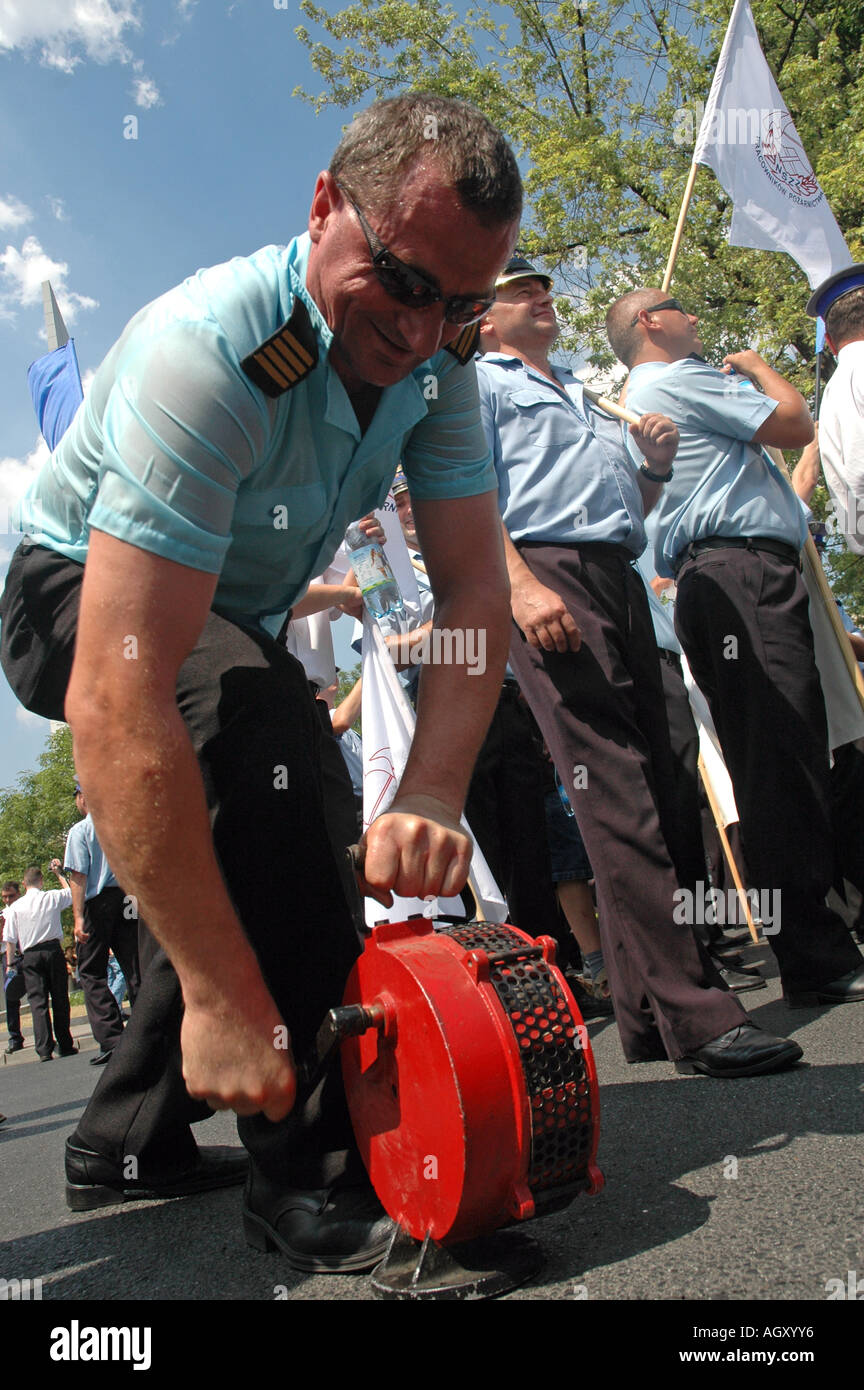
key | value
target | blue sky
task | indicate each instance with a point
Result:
(224, 161)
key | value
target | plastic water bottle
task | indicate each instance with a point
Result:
(381, 593)
(565, 800)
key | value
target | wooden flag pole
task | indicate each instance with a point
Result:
(727, 848)
(828, 600)
(679, 229)
(611, 408)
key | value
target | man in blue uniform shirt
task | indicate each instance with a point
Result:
(105, 920)
(585, 657)
(731, 530)
(237, 427)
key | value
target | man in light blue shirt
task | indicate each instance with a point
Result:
(584, 655)
(238, 425)
(731, 530)
(106, 919)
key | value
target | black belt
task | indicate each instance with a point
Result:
(757, 543)
(40, 945)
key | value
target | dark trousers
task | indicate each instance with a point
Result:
(45, 977)
(601, 712)
(742, 617)
(252, 722)
(505, 810)
(13, 994)
(109, 927)
(690, 861)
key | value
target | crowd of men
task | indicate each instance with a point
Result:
(238, 426)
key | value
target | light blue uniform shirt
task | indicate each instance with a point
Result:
(723, 485)
(84, 854)
(564, 474)
(178, 452)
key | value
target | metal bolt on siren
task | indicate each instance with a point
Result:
(473, 1095)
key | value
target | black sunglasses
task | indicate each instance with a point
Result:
(655, 309)
(411, 286)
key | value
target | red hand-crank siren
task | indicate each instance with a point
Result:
(473, 1091)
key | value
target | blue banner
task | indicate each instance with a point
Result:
(55, 387)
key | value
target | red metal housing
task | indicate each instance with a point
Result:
(475, 1102)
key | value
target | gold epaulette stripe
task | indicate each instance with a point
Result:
(273, 369)
(287, 357)
(293, 358)
(464, 346)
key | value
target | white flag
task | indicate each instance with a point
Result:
(388, 728)
(748, 138)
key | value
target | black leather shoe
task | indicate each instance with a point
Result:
(327, 1229)
(14, 1046)
(849, 989)
(100, 1059)
(94, 1181)
(739, 980)
(743, 1051)
(71, 1051)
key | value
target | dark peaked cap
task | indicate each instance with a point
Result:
(840, 283)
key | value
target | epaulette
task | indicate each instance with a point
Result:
(464, 347)
(286, 357)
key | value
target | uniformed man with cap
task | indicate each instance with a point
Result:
(241, 422)
(839, 300)
(586, 660)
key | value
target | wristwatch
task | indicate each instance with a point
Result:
(654, 477)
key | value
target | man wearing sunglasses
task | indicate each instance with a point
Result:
(239, 425)
(730, 530)
(584, 654)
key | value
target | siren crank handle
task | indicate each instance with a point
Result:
(357, 857)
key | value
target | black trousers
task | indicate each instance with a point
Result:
(601, 712)
(505, 811)
(46, 977)
(742, 617)
(109, 926)
(252, 722)
(13, 996)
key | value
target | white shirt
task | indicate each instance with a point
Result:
(841, 442)
(310, 639)
(34, 919)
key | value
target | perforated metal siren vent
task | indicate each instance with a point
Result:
(551, 1037)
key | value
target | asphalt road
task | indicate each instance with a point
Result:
(674, 1221)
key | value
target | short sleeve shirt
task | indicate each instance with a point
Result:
(178, 452)
(841, 442)
(564, 475)
(723, 485)
(34, 918)
(84, 855)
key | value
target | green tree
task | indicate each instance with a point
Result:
(602, 102)
(36, 815)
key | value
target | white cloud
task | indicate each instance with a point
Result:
(14, 213)
(58, 208)
(64, 34)
(146, 93)
(21, 276)
(26, 716)
(16, 475)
